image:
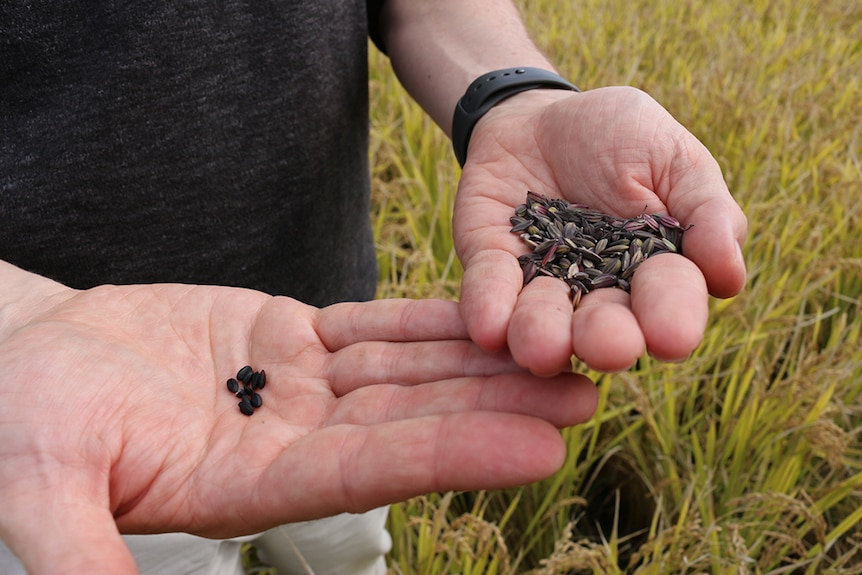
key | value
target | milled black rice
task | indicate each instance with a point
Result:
(246, 407)
(244, 374)
(252, 380)
(261, 379)
(233, 385)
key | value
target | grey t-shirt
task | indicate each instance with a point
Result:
(219, 142)
(204, 141)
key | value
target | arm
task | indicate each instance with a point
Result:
(615, 149)
(438, 48)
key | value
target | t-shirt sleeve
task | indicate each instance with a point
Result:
(374, 31)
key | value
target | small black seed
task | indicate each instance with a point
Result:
(232, 385)
(256, 400)
(246, 407)
(244, 374)
(254, 379)
(261, 379)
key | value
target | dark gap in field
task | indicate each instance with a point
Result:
(616, 497)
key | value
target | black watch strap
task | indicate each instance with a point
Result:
(488, 90)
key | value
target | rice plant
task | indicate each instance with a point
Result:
(745, 458)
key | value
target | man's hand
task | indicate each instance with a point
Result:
(115, 416)
(618, 151)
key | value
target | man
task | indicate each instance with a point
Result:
(225, 144)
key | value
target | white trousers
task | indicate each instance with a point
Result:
(345, 544)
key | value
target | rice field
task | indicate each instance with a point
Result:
(746, 458)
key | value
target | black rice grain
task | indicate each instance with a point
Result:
(245, 407)
(256, 400)
(245, 387)
(233, 385)
(244, 375)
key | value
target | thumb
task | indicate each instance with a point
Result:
(57, 530)
(698, 196)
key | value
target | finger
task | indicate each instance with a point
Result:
(343, 324)
(605, 333)
(355, 468)
(670, 301)
(564, 400)
(714, 243)
(698, 196)
(53, 533)
(410, 363)
(489, 292)
(540, 331)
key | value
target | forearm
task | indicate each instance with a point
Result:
(438, 48)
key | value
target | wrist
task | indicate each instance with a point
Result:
(525, 102)
(24, 295)
(493, 88)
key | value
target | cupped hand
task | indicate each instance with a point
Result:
(616, 150)
(115, 416)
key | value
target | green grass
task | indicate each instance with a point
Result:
(746, 458)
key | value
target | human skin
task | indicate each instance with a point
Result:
(117, 417)
(615, 149)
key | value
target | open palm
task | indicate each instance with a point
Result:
(115, 415)
(618, 151)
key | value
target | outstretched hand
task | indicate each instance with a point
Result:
(115, 416)
(616, 150)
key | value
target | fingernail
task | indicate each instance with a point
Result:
(739, 255)
(741, 263)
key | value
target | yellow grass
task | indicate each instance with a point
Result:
(746, 458)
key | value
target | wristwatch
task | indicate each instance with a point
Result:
(488, 90)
